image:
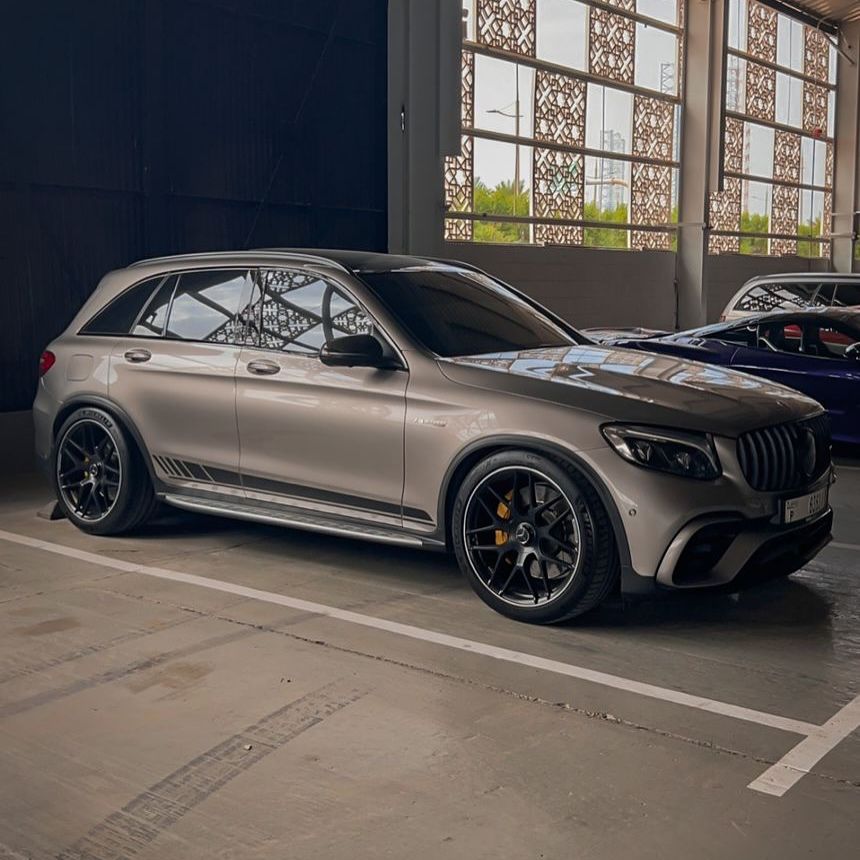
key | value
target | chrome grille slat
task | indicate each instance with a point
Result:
(771, 459)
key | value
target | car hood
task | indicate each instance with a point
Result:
(636, 386)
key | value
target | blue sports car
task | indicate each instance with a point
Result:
(815, 351)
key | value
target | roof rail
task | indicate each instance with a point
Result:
(311, 258)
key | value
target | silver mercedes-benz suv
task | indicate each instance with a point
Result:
(423, 402)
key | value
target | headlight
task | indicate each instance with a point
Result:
(691, 455)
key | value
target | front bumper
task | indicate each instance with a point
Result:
(717, 551)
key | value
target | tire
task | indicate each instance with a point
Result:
(100, 479)
(529, 557)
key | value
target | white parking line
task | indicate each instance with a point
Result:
(779, 778)
(827, 735)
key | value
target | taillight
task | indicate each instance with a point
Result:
(46, 361)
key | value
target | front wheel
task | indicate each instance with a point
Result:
(533, 538)
(100, 479)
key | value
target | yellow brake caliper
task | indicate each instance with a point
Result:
(504, 513)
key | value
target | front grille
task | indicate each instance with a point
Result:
(787, 456)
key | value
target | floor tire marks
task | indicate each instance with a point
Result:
(130, 830)
(19, 669)
(109, 676)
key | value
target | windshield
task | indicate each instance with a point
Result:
(453, 312)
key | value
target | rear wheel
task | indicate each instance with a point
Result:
(533, 538)
(101, 481)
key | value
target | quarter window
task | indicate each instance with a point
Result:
(119, 315)
(301, 312)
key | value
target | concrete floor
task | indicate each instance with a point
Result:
(148, 718)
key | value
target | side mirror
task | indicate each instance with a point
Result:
(354, 350)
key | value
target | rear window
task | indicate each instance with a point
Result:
(771, 297)
(119, 315)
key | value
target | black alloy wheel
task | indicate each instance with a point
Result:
(522, 536)
(89, 470)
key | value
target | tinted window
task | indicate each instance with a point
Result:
(463, 313)
(782, 336)
(744, 336)
(770, 297)
(828, 339)
(119, 315)
(847, 295)
(151, 322)
(206, 304)
(301, 311)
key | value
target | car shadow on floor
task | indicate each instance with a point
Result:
(776, 606)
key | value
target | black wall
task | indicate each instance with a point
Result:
(134, 128)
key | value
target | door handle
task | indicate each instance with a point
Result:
(262, 367)
(138, 355)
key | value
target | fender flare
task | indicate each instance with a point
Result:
(99, 401)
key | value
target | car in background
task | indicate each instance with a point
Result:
(793, 292)
(813, 351)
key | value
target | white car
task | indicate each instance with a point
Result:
(792, 292)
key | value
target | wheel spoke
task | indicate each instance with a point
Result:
(546, 503)
(478, 529)
(496, 568)
(528, 580)
(562, 516)
(82, 506)
(513, 573)
(532, 497)
(545, 577)
(487, 548)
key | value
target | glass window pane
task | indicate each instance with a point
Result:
(607, 190)
(758, 150)
(151, 322)
(609, 119)
(205, 306)
(738, 24)
(789, 100)
(497, 165)
(789, 43)
(661, 10)
(118, 316)
(736, 69)
(656, 59)
(561, 33)
(847, 295)
(301, 312)
(813, 156)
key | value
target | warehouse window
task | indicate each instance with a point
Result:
(570, 124)
(778, 145)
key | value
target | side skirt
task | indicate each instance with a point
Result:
(310, 521)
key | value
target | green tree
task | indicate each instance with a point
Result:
(501, 200)
(605, 237)
(753, 223)
(809, 249)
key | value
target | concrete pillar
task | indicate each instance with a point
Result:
(425, 40)
(846, 178)
(700, 153)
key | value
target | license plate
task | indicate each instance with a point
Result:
(804, 507)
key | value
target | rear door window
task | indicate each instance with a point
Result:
(774, 296)
(847, 295)
(118, 316)
(828, 339)
(206, 306)
(150, 323)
